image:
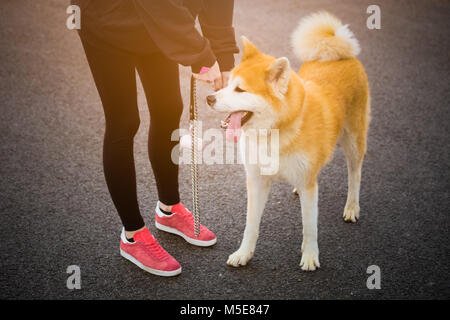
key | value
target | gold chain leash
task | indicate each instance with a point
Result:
(193, 115)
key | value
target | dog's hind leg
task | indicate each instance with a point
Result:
(310, 248)
(258, 187)
(354, 143)
(354, 154)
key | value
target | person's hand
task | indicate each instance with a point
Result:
(213, 76)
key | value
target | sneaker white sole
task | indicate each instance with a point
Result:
(195, 242)
(150, 270)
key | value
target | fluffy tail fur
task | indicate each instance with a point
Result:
(323, 37)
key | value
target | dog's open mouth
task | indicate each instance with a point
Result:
(233, 123)
(234, 117)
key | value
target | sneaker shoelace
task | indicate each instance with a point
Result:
(156, 249)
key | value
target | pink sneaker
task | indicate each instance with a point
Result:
(181, 223)
(147, 254)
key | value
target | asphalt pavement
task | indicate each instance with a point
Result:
(55, 209)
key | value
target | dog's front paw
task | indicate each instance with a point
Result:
(239, 258)
(310, 259)
(351, 213)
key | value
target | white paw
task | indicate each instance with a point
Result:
(239, 258)
(310, 260)
(295, 191)
(351, 213)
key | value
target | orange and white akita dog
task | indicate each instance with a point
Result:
(327, 102)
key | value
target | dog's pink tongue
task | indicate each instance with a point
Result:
(233, 132)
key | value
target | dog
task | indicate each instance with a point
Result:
(327, 103)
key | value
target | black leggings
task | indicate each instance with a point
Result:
(114, 74)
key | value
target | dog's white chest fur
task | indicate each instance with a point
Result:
(290, 169)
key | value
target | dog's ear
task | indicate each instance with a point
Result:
(249, 48)
(278, 75)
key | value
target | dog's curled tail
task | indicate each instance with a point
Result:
(322, 37)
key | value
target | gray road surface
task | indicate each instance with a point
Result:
(56, 211)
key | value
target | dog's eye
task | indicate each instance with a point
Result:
(237, 89)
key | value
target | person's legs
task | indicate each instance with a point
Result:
(115, 77)
(160, 79)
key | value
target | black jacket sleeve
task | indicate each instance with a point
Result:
(172, 27)
(216, 20)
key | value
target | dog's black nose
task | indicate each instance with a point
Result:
(211, 100)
